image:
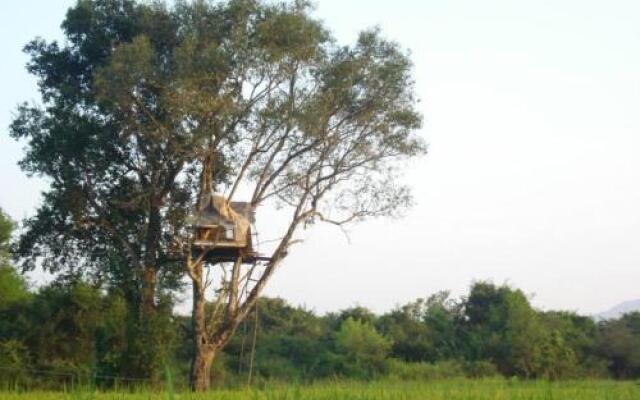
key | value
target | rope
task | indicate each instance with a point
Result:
(253, 346)
(244, 337)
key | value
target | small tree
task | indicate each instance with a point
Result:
(13, 287)
(364, 350)
(6, 229)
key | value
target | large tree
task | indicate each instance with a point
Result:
(323, 144)
(120, 163)
(145, 108)
(105, 213)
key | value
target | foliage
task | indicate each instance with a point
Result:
(6, 228)
(362, 348)
(424, 330)
(291, 343)
(500, 325)
(114, 202)
(13, 287)
(106, 195)
(360, 314)
(73, 329)
(619, 342)
(14, 359)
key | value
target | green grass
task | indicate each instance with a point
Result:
(463, 389)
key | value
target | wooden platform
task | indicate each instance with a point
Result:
(227, 254)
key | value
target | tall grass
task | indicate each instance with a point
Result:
(450, 389)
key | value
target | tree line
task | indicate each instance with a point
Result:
(75, 329)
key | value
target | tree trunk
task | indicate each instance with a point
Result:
(204, 352)
(201, 368)
(148, 290)
(149, 275)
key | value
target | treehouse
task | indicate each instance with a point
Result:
(223, 230)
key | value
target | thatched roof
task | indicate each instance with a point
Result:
(244, 208)
(215, 210)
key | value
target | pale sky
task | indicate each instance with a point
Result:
(533, 178)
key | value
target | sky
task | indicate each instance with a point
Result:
(532, 177)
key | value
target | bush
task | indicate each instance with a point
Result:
(480, 369)
(14, 361)
(403, 370)
(362, 349)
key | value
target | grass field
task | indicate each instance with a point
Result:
(383, 390)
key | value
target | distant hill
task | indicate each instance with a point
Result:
(620, 309)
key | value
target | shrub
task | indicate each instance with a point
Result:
(362, 348)
(14, 361)
(480, 369)
(403, 370)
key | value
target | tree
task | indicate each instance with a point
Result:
(288, 343)
(500, 325)
(65, 328)
(323, 145)
(441, 314)
(357, 313)
(114, 200)
(13, 287)
(6, 228)
(364, 350)
(578, 333)
(13, 291)
(412, 338)
(425, 329)
(619, 343)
